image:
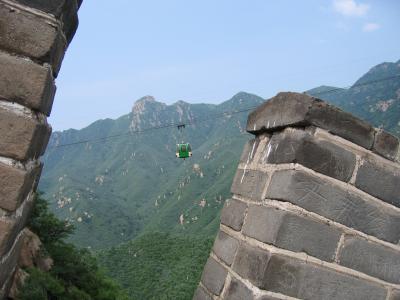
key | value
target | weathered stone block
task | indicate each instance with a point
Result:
(201, 294)
(370, 258)
(335, 203)
(64, 10)
(250, 149)
(11, 226)
(41, 138)
(213, 277)
(249, 183)
(294, 109)
(380, 180)
(292, 232)
(298, 146)
(267, 297)
(27, 34)
(252, 264)
(23, 137)
(9, 262)
(225, 247)
(304, 280)
(233, 214)
(395, 295)
(15, 185)
(386, 145)
(26, 83)
(237, 290)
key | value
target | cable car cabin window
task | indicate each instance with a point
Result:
(183, 149)
(189, 148)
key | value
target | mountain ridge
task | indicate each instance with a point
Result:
(80, 179)
(115, 189)
(143, 211)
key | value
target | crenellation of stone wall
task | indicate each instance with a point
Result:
(315, 210)
(34, 35)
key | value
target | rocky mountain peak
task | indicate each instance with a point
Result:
(181, 103)
(141, 104)
(147, 98)
(146, 112)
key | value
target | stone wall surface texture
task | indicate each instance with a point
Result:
(34, 35)
(315, 209)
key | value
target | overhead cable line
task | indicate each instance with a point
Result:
(211, 117)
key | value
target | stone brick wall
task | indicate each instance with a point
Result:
(34, 35)
(315, 210)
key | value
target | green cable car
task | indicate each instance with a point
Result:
(183, 150)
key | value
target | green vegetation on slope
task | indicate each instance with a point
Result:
(158, 265)
(75, 274)
(133, 186)
(113, 191)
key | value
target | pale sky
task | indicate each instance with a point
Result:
(207, 51)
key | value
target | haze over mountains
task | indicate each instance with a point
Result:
(129, 186)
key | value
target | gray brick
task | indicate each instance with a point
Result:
(386, 145)
(233, 214)
(30, 35)
(294, 109)
(65, 10)
(214, 276)
(201, 294)
(296, 278)
(26, 83)
(292, 232)
(225, 247)
(267, 297)
(250, 149)
(238, 291)
(15, 185)
(336, 203)
(263, 223)
(252, 263)
(298, 146)
(380, 180)
(303, 280)
(250, 184)
(22, 137)
(370, 258)
(394, 295)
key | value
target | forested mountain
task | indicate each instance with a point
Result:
(112, 190)
(131, 189)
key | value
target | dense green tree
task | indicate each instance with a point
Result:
(75, 274)
(158, 265)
